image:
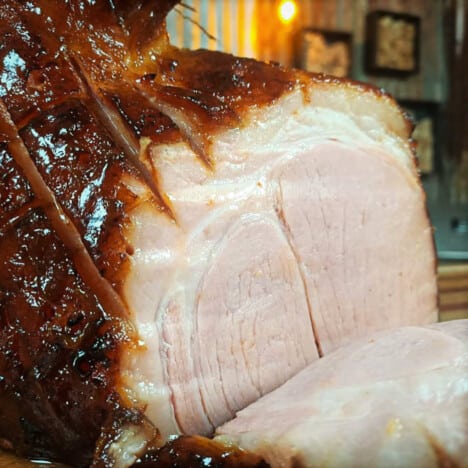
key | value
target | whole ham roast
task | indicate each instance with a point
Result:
(181, 232)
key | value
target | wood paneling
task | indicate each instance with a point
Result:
(453, 291)
(229, 23)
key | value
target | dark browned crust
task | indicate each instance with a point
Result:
(59, 348)
(205, 92)
(144, 26)
(82, 166)
(143, 120)
(30, 79)
(62, 225)
(231, 82)
(39, 281)
(16, 197)
(199, 452)
(76, 157)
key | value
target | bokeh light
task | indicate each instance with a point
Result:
(287, 11)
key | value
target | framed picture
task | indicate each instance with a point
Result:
(322, 51)
(392, 43)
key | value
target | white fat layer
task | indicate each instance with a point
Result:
(129, 446)
(291, 127)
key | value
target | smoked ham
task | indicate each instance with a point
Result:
(181, 232)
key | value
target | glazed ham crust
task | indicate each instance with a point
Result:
(59, 347)
(178, 273)
(48, 93)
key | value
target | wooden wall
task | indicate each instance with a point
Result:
(453, 291)
(230, 23)
(251, 28)
(350, 16)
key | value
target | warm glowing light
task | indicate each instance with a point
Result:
(287, 11)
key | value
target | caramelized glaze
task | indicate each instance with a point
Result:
(81, 164)
(15, 195)
(143, 120)
(31, 78)
(199, 452)
(64, 66)
(59, 348)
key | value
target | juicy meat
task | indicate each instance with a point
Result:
(398, 398)
(215, 224)
(310, 227)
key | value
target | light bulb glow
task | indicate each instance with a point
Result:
(287, 11)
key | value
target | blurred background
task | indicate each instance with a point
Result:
(417, 50)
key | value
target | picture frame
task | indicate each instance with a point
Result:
(392, 43)
(324, 51)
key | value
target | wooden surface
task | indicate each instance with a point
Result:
(453, 291)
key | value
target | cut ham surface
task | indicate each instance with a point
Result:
(398, 398)
(231, 220)
(281, 251)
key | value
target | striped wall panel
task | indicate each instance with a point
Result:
(453, 291)
(229, 26)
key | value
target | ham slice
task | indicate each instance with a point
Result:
(398, 398)
(230, 221)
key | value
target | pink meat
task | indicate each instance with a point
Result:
(398, 398)
(310, 230)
